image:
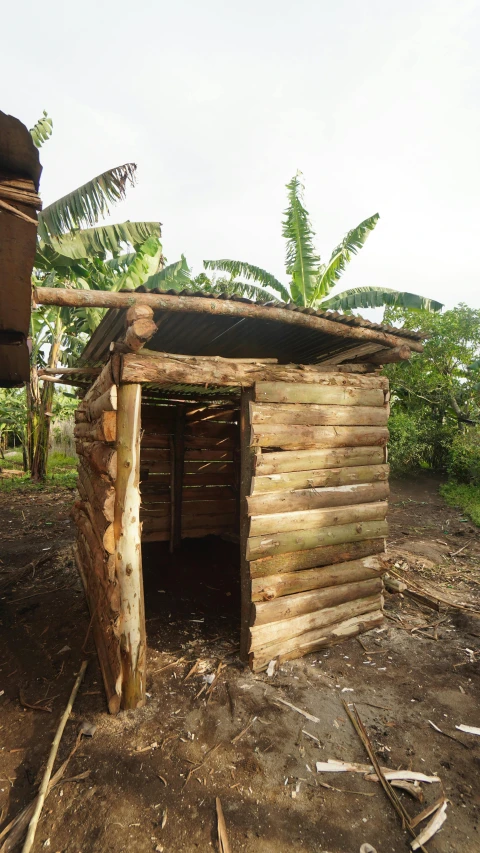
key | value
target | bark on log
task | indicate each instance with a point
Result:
(102, 457)
(102, 528)
(103, 429)
(194, 304)
(273, 485)
(389, 355)
(338, 393)
(303, 540)
(107, 402)
(147, 366)
(276, 632)
(247, 463)
(104, 381)
(100, 493)
(315, 415)
(315, 640)
(280, 462)
(312, 519)
(298, 604)
(302, 437)
(314, 498)
(275, 586)
(139, 333)
(328, 555)
(128, 547)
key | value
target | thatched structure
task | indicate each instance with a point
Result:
(261, 423)
(19, 202)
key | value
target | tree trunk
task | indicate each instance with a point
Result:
(42, 433)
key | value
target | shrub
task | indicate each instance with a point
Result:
(418, 439)
(464, 461)
(466, 497)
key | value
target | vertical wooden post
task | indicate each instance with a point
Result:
(247, 462)
(128, 547)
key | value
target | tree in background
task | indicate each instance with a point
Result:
(436, 395)
(311, 280)
(73, 251)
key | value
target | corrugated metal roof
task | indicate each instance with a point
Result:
(233, 337)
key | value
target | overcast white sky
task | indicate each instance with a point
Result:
(219, 103)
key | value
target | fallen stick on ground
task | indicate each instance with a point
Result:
(197, 768)
(13, 832)
(431, 828)
(244, 731)
(334, 766)
(392, 795)
(298, 710)
(42, 793)
(222, 829)
(428, 811)
(470, 730)
(452, 737)
(17, 575)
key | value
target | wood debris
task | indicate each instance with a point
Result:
(298, 710)
(222, 829)
(470, 730)
(432, 827)
(334, 766)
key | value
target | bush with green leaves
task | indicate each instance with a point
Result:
(464, 461)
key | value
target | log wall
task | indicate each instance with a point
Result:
(95, 434)
(189, 471)
(315, 507)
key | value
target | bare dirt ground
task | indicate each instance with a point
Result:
(153, 775)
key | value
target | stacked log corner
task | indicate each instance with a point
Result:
(313, 508)
(95, 433)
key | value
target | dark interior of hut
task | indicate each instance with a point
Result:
(189, 485)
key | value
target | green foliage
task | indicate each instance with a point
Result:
(102, 240)
(311, 280)
(87, 204)
(464, 457)
(435, 396)
(42, 130)
(465, 497)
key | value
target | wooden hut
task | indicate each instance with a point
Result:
(20, 171)
(261, 423)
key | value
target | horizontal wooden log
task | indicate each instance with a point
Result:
(312, 519)
(339, 393)
(219, 508)
(326, 556)
(103, 382)
(103, 429)
(74, 297)
(148, 366)
(315, 415)
(100, 492)
(102, 528)
(303, 540)
(314, 498)
(107, 402)
(275, 586)
(276, 632)
(280, 462)
(212, 413)
(282, 435)
(390, 355)
(224, 521)
(315, 640)
(297, 604)
(139, 332)
(191, 442)
(102, 457)
(214, 467)
(200, 479)
(281, 484)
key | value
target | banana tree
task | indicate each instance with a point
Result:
(74, 251)
(311, 280)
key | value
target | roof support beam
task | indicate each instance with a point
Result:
(196, 304)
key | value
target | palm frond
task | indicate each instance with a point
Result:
(249, 271)
(141, 269)
(91, 242)
(174, 276)
(342, 255)
(377, 297)
(301, 261)
(42, 130)
(87, 204)
(233, 287)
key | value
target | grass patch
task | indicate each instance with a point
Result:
(465, 497)
(61, 473)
